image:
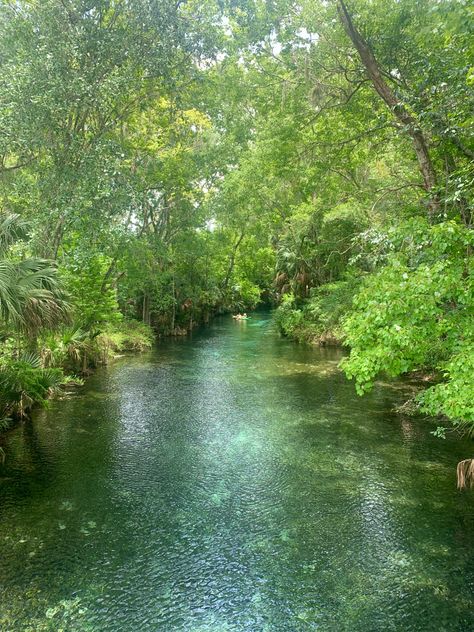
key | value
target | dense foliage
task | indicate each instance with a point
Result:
(162, 161)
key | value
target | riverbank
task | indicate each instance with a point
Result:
(61, 360)
(64, 359)
(317, 319)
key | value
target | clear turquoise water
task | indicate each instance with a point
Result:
(233, 482)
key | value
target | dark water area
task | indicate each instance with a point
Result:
(233, 481)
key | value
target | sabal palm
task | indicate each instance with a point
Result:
(31, 296)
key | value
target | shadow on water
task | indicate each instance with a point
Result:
(233, 481)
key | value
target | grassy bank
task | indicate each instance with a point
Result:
(318, 318)
(30, 378)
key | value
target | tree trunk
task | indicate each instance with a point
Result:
(465, 473)
(396, 106)
(173, 312)
(146, 309)
(230, 269)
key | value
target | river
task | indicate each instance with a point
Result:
(233, 481)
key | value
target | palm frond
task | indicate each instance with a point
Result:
(31, 358)
(465, 473)
(12, 229)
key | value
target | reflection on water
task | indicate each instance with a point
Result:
(233, 482)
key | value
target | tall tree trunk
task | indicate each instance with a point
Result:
(146, 309)
(233, 255)
(396, 106)
(173, 311)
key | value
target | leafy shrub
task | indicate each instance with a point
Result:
(454, 396)
(287, 317)
(317, 319)
(76, 350)
(24, 383)
(66, 348)
(244, 295)
(418, 313)
(327, 306)
(131, 335)
(93, 304)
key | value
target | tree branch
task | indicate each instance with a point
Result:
(396, 106)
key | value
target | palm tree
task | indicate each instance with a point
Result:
(31, 294)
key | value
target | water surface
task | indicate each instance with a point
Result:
(233, 482)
